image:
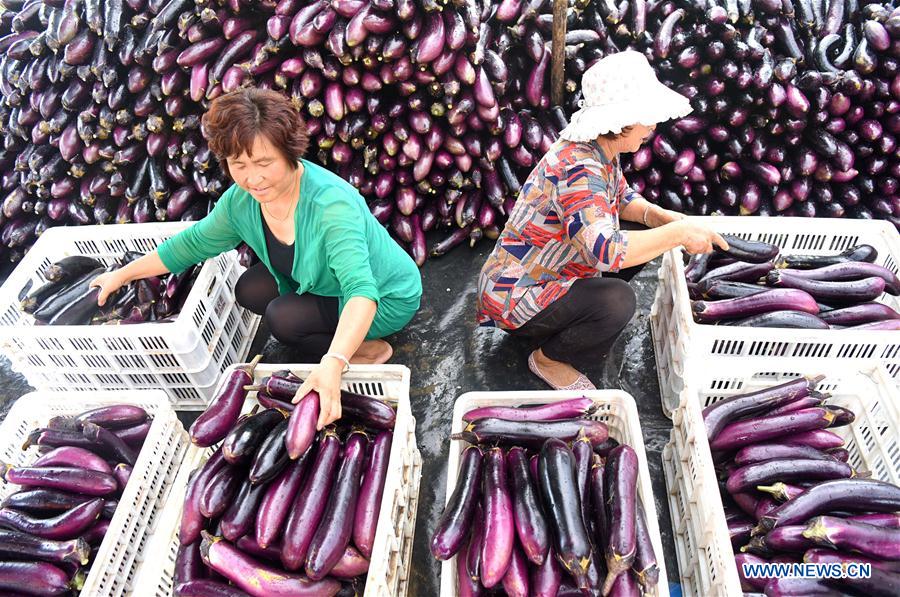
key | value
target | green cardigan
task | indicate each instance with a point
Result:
(340, 250)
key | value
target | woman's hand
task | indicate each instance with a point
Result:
(696, 238)
(325, 379)
(108, 283)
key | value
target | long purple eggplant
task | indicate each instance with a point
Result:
(783, 539)
(790, 586)
(851, 270)
(547, 578)
(221, 487)
(750, 431)
(351, 565)
(16, 544)
(223, 412)
(277, 501)
(67, 525)
(36, 578)
(738, 272)
(598, 505)
(857, 495)
(559, 490)
(532, 433)
(516, 581)
(782, 319)
(761, 473)
(113, 443)
(476, 540)
(838, 293)
(122, 473)
(620, 486)
(749, 584)
(814, 399)
(188, 564)
(192, 520)
(530, 522)
(499, 529)
(336, 526)
(115, 416)
(467, 585)
(368, 505)
(75, 480)
(749, 251)
(760, 452)
(645, 566)
(243, 441)
(820, 438)
(859, 314)
(779, 299)
(240, 515)
(865, 253)
(720, 413)
(846, 535)
(43, 501)
(72, 456)
(301, 429)
(554, 411)
(309, 507)
(830, 556)
(258, 579)
(271, 458)
(207, 588)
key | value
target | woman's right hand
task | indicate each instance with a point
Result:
(696, 238)
(108, 283)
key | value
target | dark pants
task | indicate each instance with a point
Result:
(587, 319)
(307, 321)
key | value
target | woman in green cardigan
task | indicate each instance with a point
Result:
(331, 280)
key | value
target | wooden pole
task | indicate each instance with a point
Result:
(558, 52)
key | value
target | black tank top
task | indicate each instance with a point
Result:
(280, 254)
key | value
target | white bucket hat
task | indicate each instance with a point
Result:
(621, 90)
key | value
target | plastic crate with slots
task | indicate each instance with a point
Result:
(683, 346)
(184, 357)
(114, 567)
(702, 543)
(615, 408)
(391, 557)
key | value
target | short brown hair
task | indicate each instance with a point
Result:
(619, 135)
(234, 120)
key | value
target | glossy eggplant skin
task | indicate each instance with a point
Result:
(748, 251)
(455, 522)
(559, 490)
(271, 457)
(242, 442)
(368, 506)
(223, 412)
(499, 531)
(336, 526)
(531, 524)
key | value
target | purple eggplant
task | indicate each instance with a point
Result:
(841, 534)
(114, 417)
(258, 579)
(83, 481)
(757, 304)
(336, 526)
(738, 272)
(219, 490)
(223, 412)
(122, 473)
(720, 413)
(852, 270)
(750, 431)
(467, 582)
(245, 439)
(565, 409)
(782, 319)
(277, 501)
(351, 565)
(760, 473)
(865, 253)
(760, 452)
(530, 523)
(192, 519)
(532, 433)
(36, 578)
(72, 456)
(17, 544)
(516, 580)
(499, 531)
(749, 251)
(302, 425)
(645, 565)
(188, 564)
(546, 579)
(67, 525)
(620, 486)
(838, 293)
(110, 441)
(304, 517)
(370, 495)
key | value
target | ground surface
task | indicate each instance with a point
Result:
(448, 356)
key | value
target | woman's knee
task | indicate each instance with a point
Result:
(612, 300)
(255, 289)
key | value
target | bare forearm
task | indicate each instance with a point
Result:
(145, 267)
(353, 325)
(634, 211)
(647, 245)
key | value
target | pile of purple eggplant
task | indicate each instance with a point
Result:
(791, 496)
(51, 529)
(279, 508)
(67, 298)
(545, 504)
(796, 105)
(813, 292)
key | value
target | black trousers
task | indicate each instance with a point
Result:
(587, 319)
(306, 321)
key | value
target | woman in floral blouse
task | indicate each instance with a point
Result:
(555, 276)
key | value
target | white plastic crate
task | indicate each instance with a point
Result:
(113, 569)
(683, 346)
(615, 408)
(184, 358)
(391, 557)
(702, 543)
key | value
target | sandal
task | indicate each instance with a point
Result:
(580, 384)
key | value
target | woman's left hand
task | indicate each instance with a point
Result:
(325, 379)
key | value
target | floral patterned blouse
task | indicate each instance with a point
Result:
(564, 226)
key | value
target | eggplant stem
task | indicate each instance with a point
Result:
(251, 366)
(255, 388)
